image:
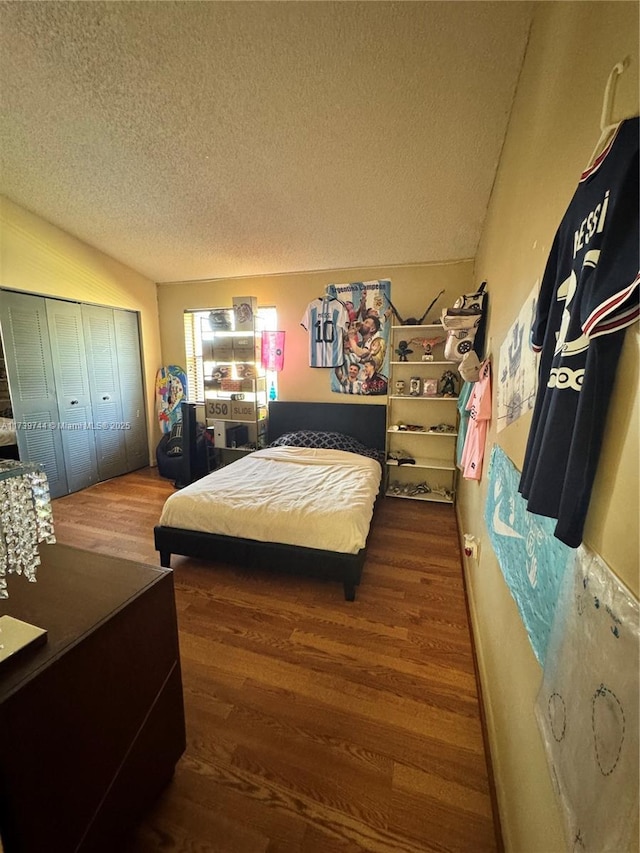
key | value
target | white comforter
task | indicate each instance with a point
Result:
(297, 496)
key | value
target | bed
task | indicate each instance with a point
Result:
(326, 494)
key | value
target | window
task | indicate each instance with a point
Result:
(193, 348)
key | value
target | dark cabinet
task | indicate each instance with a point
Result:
(92, 723)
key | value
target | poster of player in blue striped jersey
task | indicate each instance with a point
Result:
(365, 365)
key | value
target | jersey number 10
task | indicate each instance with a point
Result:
(324, 332)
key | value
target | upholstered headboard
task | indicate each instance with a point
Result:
(365, 422)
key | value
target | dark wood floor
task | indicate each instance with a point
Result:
(314, 725)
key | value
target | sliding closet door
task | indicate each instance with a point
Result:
(104, 385)
(72, 389)
(29, 365)
(131, 388)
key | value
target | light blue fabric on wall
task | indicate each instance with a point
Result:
(532, 560)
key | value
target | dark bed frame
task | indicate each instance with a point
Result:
(364, 422)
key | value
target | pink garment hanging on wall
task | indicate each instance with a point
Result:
(273, 350)
(479, 408)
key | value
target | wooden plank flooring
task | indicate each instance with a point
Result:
(314, 725)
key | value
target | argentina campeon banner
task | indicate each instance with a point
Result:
(365, 369)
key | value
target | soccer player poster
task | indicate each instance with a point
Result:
(364, 368)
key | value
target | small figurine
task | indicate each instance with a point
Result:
(414, 386)
(427, 345)
(448, 384)
(400, 386)
(403, 351)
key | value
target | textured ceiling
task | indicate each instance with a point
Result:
(212, 139)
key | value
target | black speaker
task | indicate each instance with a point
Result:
(189, 465)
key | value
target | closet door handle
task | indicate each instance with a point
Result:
(106, 397)
(75, 402)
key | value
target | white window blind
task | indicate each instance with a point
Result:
(193, 352)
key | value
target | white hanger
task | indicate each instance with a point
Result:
(607, 127)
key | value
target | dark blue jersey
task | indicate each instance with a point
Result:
(589, 294)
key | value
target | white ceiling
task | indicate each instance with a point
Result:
(198, 140)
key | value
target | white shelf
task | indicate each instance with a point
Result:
(432, 464)
(250, 410)
(415, 363)
(428, 497)
(429, 467)
(421, 432)
(419, 397)
(414, 328)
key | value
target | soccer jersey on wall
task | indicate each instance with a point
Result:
(326, 319)
(589, 294)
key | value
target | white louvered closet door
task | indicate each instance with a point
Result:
(131, 388)
(104, 386)
(23, 319)
(75, 417)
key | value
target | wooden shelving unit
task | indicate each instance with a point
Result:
(432, 475)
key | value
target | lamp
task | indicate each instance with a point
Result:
(25, 521)
(272, 355)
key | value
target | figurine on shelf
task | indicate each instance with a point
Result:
(427, 345)
(400, 386)
(403, 351)
(448, 384)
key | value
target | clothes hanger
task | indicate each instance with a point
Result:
(607, 126)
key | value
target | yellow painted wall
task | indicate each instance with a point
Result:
(37, 257)
(553, 129)
(412, 289)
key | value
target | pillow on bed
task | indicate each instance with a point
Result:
(327, 441)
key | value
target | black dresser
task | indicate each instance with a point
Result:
(91, 722)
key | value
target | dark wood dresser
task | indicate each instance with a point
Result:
(91, 722)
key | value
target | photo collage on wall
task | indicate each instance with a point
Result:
(365, 366)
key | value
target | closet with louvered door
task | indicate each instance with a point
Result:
(27, 352)
(104, 384)
(72, 391)
(75, 381)
(131, 389)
